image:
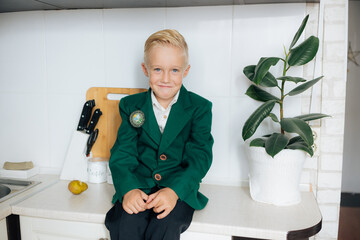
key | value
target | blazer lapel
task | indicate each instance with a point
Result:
(180, 114)
(150, 125)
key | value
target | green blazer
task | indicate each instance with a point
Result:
(143, 158)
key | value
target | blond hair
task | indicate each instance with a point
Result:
(166, 37)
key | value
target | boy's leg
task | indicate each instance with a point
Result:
(170, 227)
(124, 226)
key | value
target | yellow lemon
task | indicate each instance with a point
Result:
(77, 187)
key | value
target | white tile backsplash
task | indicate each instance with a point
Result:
(328, 196)
(22, 57)
(221, 129)
(74, 50)
(64, 114)
(25, 129)
(207, 31)
(125, 32)
(333, 70)
(329, 180)
(331, 162)
(332, 144)
(335, 13)
(335, 32)
(262, 31)
(329, 212)
(333, 107)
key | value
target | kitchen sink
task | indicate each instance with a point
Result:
(11, 187)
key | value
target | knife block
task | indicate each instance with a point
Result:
(75, 164)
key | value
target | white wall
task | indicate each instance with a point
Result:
(351, 164)
(48, 60)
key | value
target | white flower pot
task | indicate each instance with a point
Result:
(275, 180)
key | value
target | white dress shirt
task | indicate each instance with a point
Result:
(162, 114)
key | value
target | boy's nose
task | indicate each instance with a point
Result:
(166, 77)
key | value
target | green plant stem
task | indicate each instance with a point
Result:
(282, 90)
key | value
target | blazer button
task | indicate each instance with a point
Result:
(163, 157)
(157, 177)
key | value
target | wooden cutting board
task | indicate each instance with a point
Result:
(110, 119)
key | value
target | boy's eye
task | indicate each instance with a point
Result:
(157, 69)
(175, 70)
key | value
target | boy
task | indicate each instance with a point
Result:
(163, 148)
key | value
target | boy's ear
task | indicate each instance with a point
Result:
(145, 69)
(186, 71)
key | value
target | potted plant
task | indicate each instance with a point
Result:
(276, 159)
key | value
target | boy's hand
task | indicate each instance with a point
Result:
(134, 201)
(163, 200)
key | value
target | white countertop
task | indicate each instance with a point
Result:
(45, 181)
(230, 210)
(57, 202)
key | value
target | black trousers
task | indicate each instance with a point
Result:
(145, 225)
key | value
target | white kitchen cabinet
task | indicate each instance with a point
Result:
(3, 229)
(49, 229)
(202, 236)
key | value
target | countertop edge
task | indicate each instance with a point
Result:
(227, 230)
(305, 233)
(46, 180)
(59, 215)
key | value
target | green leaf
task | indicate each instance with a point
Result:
(304, 53)
(249, 72)
(274, 117)
(268, 81)
(301, 146)
(295, 125)
(312, 116)
(263, 67)
(260, 95)
(295, 139)
(292, 79)
(299, 31)
(253, 122)
(275, 143)
(303, 87)
(257, 142)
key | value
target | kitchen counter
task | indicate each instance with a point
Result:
(57, 202)
(230, 211)
(45, 181)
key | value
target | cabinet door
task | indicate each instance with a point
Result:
(49, 229)
(3, 229)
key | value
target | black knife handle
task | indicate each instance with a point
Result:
(94, 119)
(85, 115)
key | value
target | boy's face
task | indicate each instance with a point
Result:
(166, 69)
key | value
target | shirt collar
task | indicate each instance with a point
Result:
(158, 105)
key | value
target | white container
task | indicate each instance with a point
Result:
(109, 176)
(275, 180)
(97, 170)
